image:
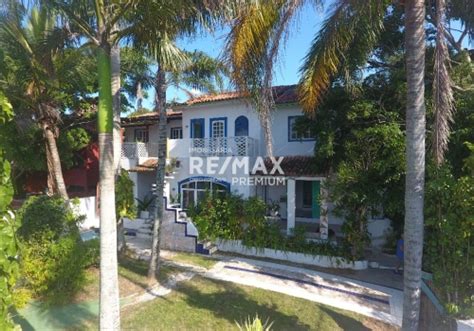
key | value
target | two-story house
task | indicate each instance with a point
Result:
(216, 143)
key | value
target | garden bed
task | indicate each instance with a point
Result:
(236, 246)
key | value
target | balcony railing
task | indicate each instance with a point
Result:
(225, 146)
(136, 150)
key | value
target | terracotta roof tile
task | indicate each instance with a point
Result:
(281, 94)
(294, 166)
(151, 116)
(148, 165)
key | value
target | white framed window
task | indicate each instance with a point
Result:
(218, 129)
(193, 191)
(293, 134)
(176, 133)
(141, 135)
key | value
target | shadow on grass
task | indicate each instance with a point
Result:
(39, 316)
(343, 321)
(136, 271)
(228, 301)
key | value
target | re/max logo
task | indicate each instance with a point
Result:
(214, 166)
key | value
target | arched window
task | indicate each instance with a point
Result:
(194, 189)
(241, 126)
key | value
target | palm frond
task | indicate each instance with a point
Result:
(443, 99)
(352, 24)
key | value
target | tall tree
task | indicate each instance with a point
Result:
(415, 155)
(98, 31)
(154, 28)
(342, 46)
(33, 47)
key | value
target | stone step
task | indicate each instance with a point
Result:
(207, 244)
(212, 249)
(206, 248)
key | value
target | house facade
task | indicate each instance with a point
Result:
(216, 144)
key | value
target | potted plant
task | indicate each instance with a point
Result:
(144, 206)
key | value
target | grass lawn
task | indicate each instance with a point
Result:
(132, 279)
(194, 259)
(204, 304)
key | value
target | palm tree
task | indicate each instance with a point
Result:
(415, 153)
(32, 77)
(352, 25)
(137, 75)
(98, 31)
(154, 28)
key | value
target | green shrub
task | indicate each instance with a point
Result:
(231, 217)
(53, 256)
(218, 216)
(42, 214)
(449, 240)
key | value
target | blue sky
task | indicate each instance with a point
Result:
(307, 24)
(291, 57)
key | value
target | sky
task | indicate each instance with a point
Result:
(291, 56)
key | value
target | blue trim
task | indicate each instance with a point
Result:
(191, 129)
(289, 131)
(217, 119)
(242, 121)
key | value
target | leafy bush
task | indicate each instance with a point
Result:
(449, 240)
(231, 217)
(219, 216)
(53, 256)
(124, 201)
(8, 242)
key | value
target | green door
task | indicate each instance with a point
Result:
(315, 208)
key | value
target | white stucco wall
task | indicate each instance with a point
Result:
(235, 108)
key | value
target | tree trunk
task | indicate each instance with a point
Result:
(54, 163)
(160, 104)
(109, 291)
(415, 153)
(115, 64)
(51, 187)
(139, 96)
(122, 243)
(266, 122)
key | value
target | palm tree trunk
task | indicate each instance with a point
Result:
(160, 103)
(266, 123)
(415, 153)
(115, 64)
(54, 163)
(139, 96)
(109, 292)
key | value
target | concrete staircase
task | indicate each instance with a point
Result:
(206, 248)
(177, 232)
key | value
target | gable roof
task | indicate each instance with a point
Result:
(281, 94)
(149, 118)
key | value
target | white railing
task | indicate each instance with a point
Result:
(136, 150)
(226, 146)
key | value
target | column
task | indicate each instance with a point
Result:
(323, 218)
(290, 205)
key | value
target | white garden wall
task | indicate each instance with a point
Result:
(235, 246)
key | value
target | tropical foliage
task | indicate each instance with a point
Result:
(9, 266)
(53, 256)
(228, 216)
(41, 77)
(449, 240)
